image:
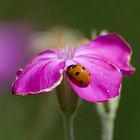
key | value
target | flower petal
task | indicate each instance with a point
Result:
(41, 75)
(45, 55)
(112, 48)
(105, 80)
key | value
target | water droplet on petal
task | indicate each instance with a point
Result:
(105, 77)
(108, 91)
(101, 72)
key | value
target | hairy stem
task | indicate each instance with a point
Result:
(68, 127)
(107, 113)
(107, 128)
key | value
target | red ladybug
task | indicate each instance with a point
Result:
(79, 75)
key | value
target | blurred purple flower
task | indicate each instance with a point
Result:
(106, 58)
(13, 50)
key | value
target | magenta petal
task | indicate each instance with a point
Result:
(38, 77)
(105, 80)
(45, 55)
(112, 48)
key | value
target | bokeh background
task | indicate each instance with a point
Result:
(38, 117)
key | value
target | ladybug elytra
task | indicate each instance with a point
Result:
(79, 75)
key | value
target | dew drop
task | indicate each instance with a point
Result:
(101, 72)
(108, 91)
(105, 77)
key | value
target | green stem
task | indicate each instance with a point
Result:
(68, 127)
(107, 128)
(107, 113)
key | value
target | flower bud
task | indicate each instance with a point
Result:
(67, 99)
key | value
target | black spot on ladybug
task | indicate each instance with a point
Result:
(83, 68)
(80, 82)
(70, 66)
(77, 73)
(74, 66)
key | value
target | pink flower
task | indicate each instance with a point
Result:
(106, 58)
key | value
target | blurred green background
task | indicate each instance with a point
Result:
(38, 117)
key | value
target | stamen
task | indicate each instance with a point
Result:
(66, 53)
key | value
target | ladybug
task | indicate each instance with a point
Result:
(79, 75)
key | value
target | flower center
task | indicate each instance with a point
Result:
(66, 53)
